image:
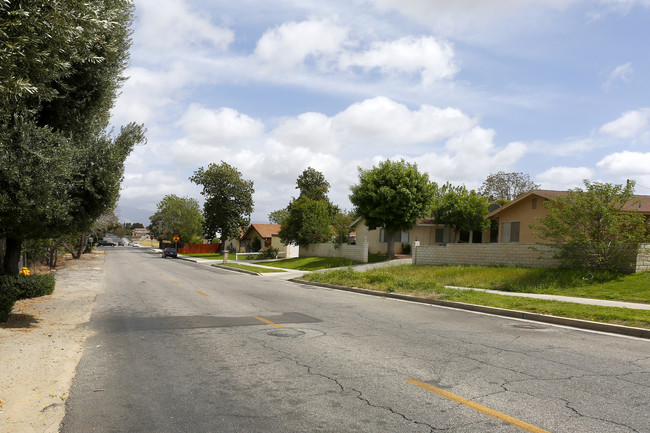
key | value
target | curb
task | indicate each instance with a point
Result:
(229, 268)
(554, 320)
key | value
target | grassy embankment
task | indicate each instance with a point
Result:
(430, 281)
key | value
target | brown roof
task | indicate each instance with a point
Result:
(643, 206)
(640, 203)
(265, 230)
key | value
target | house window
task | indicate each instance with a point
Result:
(399, 237)
(510, 232)
(477, 237)
(443, 235)
(535, 203)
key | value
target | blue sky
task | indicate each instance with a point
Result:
(556, 89)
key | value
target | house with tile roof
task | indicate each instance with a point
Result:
(514, 219)
(268, 234)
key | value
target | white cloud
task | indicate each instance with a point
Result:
(312, 130)
(331, 48)
(432, 58)
(621, 73)
(381, 120)
(147, 92)
(626, 164)
(290, 44)
(622, 7)
(563, 178)
(631, 125)
(219, 127)
(170, 25)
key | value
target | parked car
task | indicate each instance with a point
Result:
(169, 252)
(105, 244)
(135, 244)
(120, 244)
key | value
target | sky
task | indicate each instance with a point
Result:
(556, 89)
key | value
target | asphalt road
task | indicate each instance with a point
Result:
(181, 347)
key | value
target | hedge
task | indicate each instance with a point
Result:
(15, 287)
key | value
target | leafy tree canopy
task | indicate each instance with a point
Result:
(308, 222)
(506, 186)
(303, 221)
(594, 228)
(228, 199)
(392, 195)
(60, 70)
(278, 216)
(312, 185)
(460, 209)
(177, 216)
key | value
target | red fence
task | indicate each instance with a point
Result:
(200, 248)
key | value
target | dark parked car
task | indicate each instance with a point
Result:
(105, 244)
(169, 252)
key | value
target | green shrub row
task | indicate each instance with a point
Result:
(15, 287)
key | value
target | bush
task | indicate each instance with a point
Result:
(25, 287)
(8, 297)
(271, 253)
(34, 286)
(232, 249)
(256, 244)
(406, 249)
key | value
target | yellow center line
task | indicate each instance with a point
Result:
(175, 282)
(486, 410)
(201, 293)
(269, 322)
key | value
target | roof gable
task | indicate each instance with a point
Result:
(639, 203)
(264, 230)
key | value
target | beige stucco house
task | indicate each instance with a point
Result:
(514, 219)
(268, 234)
(426, 232)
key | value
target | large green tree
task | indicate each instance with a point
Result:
(460, 209)
(594, 228)
(228, 199)
(312, 185)
(392, 195)
(503, 186)
(308, 222)
(177, 216)
(308, 218)
(60, 70)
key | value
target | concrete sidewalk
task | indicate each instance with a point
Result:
(588, 301)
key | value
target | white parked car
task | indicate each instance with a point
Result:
(135, 244)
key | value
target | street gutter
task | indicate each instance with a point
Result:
(230, 268)
(555, 320)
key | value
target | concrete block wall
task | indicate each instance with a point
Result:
(643, 258)
(358, 253)
(496, 254)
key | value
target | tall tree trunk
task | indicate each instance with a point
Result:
(390, 253)
(12, 256)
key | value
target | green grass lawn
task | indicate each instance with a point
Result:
(211, 256)
(430, 281)
(252, 268)
(311, 263)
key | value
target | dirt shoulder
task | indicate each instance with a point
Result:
(41, 345)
